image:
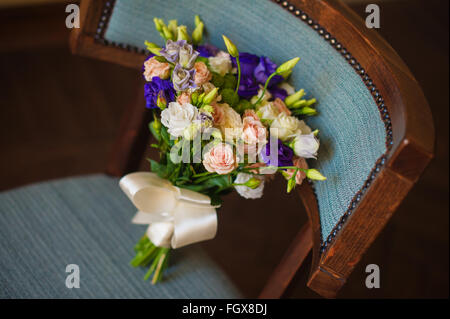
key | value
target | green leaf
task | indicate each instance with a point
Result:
(158, 168)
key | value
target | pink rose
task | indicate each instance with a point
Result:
(184, 98)
(220, 159)
(253, 131)
(299, 162)
(218, 115)
(202, 74)
(152, 68)
(281, 107)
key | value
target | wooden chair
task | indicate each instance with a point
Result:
(339, 239)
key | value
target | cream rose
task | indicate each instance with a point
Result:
(247, 192)
(202, 74)
(306, 145)
(220, 159)
(231, 126)
(153, 68)
(284, 126)
(221, 63)
(268, 112)
(177, 117)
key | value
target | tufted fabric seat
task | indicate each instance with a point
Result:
(86, 221)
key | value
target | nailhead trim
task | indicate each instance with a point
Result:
(99, 38)
(384, 113)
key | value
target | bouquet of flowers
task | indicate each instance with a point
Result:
(222, 121)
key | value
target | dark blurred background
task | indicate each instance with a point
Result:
(59, 115)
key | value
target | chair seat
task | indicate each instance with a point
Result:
(86, 221)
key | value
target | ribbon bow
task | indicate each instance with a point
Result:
(176, 217)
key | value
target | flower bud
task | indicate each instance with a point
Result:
(315, 174)
(172, 26)
(161, 102)
(200, 98)
(167, 34)
(159, 23)
(182, 33)
(197, 34)
(291, 99)
(210, 96)
(291, 184)
(194, 98)
(298, 104)
(153, 48)
(309, 111)
(207, 108)
(232, 50)
(197, 20)
(287, 66)
(253, 183)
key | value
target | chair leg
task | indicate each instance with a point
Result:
(289, 264)
(130, 145)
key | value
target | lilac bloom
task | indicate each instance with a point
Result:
(183, 79)
(285, 154)
(158, 88)
(264, 69)
(172, 50)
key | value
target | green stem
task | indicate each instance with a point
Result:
(239, 74)
(265, 87)
(159, 267)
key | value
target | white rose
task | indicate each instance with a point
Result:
(221, 63)
(267, 112)
(285, 126)
(178, 117)
(306, 145)
(247, 192)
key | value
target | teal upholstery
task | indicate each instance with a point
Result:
(86, 221)
(351, 129)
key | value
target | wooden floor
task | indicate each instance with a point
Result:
(59, 115)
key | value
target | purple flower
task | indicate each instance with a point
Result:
(248, 87)
(183, 79)
(207, 50)
(278, 92)
(285, 154)
(248, 63)
(172, 50)
(161, 88)
(264, 69)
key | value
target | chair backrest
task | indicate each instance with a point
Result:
(375, 126)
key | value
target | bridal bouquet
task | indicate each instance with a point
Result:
(222, 121)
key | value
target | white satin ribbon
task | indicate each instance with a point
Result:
(176, 217)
